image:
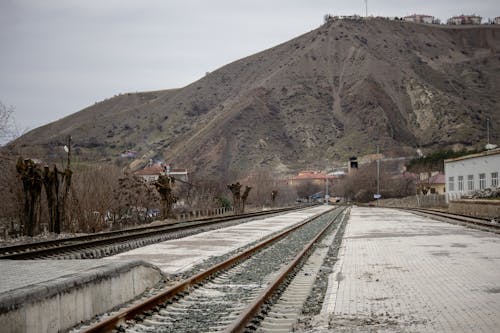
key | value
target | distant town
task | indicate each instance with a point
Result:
(422, 18)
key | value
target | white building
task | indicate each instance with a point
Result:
(471, 173)
(419, 18)
(464, 19)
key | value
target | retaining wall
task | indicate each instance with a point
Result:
(480, 208)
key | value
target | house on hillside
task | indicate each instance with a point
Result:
(314, 177)
(431, 183)
(419, 18)
(472, 172)
(496, 20)
(312, 184)
(464, 19)
(152, 172)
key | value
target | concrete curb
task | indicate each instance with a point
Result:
(17, 298)
(58, 304)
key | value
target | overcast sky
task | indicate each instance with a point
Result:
(59, 56)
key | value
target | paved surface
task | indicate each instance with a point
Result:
(15, 274)
(179, 255)
(400, 272)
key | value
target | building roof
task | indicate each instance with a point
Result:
(437, 179)
(481, 154)
(313, 175)
(466, 16)
(157, 169)
(406, 175)
(419, 15)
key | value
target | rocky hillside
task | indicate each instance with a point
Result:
(336, 91)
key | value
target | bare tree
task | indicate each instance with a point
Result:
(362, 184)
(133, 198)
(307, 188)
(8, 127)
(5, 122)
(264, 183)
(202, 193)
(92, 202)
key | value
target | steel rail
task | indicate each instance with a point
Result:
(45, 248)
(112, 322)
(241, 322)
(456, 217)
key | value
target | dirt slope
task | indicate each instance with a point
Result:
(334, 92)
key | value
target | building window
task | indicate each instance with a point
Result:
(461, 183)
(451, 184)
(494, 179)
(470, 182)
(482, 181)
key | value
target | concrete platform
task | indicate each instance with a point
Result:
(400, 272)
(55, 295)
(178, 255)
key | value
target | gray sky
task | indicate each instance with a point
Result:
(59, 56)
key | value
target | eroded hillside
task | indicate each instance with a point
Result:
(336, 91)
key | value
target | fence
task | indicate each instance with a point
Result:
(415, 201)
(203, 213)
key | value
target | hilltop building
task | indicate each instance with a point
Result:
(497, 20)
(419, 18)
(464, 19)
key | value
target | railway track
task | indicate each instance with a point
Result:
(109, 243)
(455, 218)
(231, 295)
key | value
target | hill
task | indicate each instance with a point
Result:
(331, 93)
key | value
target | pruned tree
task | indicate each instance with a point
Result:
(57, 187)
(164, 186)
(244, 198)
(235, 191)
(31, 178)
(239, 199)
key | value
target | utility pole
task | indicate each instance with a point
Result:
(366, 8)
(378, 175)
(327, 195)
(488, 131)
(69, 151)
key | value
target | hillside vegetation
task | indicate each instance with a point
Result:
(334, 92)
